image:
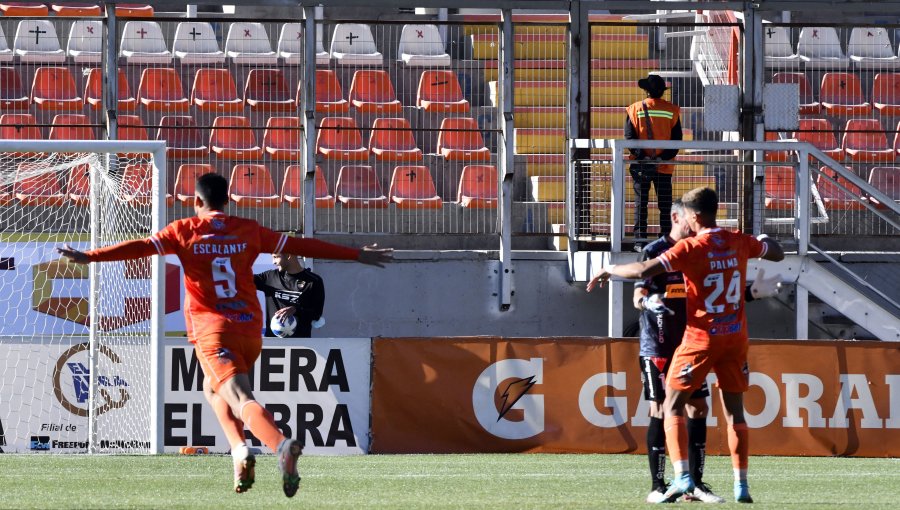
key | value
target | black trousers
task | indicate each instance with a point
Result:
(642, 179)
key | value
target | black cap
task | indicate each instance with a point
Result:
(653, 84)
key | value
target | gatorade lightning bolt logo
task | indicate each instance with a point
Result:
(513, 392)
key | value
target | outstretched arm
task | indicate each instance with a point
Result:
(127, 250)
(634, 270)
(314, 248)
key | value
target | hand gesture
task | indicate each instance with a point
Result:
(72, 254)
(655, 304)
(765, 287)
(374, 256)
(285, 312)
(598, 280)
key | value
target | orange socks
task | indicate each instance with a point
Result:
(260, 422)
(677, 442)
(233, 427)
(739, 444)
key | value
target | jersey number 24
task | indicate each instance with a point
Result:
(732, 294)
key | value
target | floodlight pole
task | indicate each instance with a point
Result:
(505, 161)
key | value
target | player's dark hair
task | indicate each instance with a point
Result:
(704, 201)
(213, 189)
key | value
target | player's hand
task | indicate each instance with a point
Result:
(284, 313)
(599, 279)
(655, 304)
(375, 256)
(78, 257)
(765, 287)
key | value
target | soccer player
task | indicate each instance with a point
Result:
(222, 313)
(714, 265)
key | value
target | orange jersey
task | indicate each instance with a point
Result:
(217, 252)
(714, 264)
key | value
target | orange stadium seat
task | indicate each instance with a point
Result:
(358, 187)
(187, 179)
(780, 188)
(460, 140)
(72, 127)
(292, 188)
(215, 92)
(19, 126)
(134, 10)
(808, 105)
(282, 138)
(131, 127)
(329, 95)
(339, 138)
(76, 10)
(267, 91)
(841, 95)
(413, 188)
(232, 138)
(54, 89)
(137, 185)
(93, 91)
(885, 179)
(372, 92)
(35, 185)
(184, 140)
(836, 197)
(392, 140)
(252, 186)
(864, 141)
(779, 156)
(439, 91)
(819, 134)
(12, 93)
(29, 9)
(478, 187)
(78, 186)
(886, 94)
(161, 90)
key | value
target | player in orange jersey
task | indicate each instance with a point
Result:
(222, 312)
(714, 264)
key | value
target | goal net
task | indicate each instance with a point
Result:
(78, 350)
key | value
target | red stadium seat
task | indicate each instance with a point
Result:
(76, 10)
(215, 92)
(93, 91)
(372, 92)
(282, 138)
(131, 127)
(338, 138)
(12, 93)
(29, 9)
(252, 186)
(161, 90)
(885, 179)
(413, 188)
(329, 95)
(392, 140)
(19, 126)
(460, 140)
(358, 187)
(137, 186)
(72, 127)
(187, 179)
(779, 156)
(35, 185)
(54, 89)
(780, 188)
(478, 187)
(292, 188)
(841, 95)
(134, 10)
(267, 91)
(184, 140)
(232, 138)
(886, 94)
(818, 133)
(864, 141)
(836, 197)
(439, 91)
(808, 106)
(78, 186)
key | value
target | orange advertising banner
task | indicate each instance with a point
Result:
(487, 394)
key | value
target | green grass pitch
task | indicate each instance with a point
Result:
(426, 481)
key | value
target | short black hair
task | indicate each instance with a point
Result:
(213, 189)
(704, 201)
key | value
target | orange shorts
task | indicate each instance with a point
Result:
(224, 355)
(691, 363)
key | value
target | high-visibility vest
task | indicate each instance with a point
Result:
(663, 115)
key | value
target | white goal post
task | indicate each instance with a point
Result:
(81, 366)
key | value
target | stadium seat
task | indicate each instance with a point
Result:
(392, 140)
(777, 156)
(27, 9)
(808, 106)
(131, 127)
(358, 187)
(76, 10)
(187, 179)
(142, 42)
(478, 187)
(834, 196)
(267, 91)
(886, 94)
(252, 186)
(12, 93)
(352, 44)
(896, 144)
(870, 48)
(35, 185)
(460, 140)
(292, 188)
(329, 95)
(290, 45)
(36, 41)
(777, 47)
(195, 43)
(19, 126)
(780, 188)
(413, 188)
(372, 92)
(72, 127)
(819, 133)
(232, 138)
(439, 91)
(54, 89)
(184, 140)
(885, 179)
(282, 138)
(85, 42)
(6, 54)
(134, 10)
(865, 142)
(78, 185)
(160, 90)
(215, 92)
(841, 95)
(422, 46)
(93, 93)
(248, 43)
(820, 48)
(339, 138)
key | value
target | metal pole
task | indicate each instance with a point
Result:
(802, 312)
(506, 161)
(111, 74)
(617, 200)
(93, 303)
(759, 172)
(308, 110)
(157, 309)
(749, 112)
(802, 196)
